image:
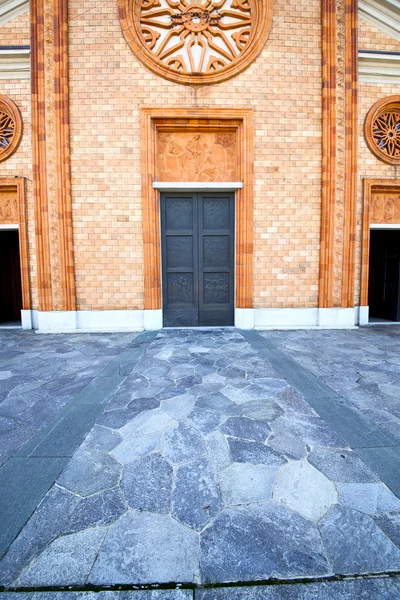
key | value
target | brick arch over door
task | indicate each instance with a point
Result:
(228, 122)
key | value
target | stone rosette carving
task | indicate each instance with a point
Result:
(382, 129)
(196, 41)
(10, 127)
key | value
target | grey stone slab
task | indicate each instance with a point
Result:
(369, 498)
(23, 484)
(261, 542)
(218, 450)
(115, 419)
(156, 549)
(182, 443)
(341, 465)
(178, 407)
(262, 410)
(66, 561)
(310, 430)
(356, 545)
(102, 438)
(99, 390)
(244, 451)
(69, 432)
(219, 403)
(243, 427)
(244, 484)
(196, 497)
(290, 446)
(90, 471)
(361, 589)
(100, 509)
(147, 484)
(304, 489)
(390, 524)
(385, 462)
(44, 525)
(168, 594)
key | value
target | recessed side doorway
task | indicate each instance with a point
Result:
(197, 238)
(384, 275)
(10, 278)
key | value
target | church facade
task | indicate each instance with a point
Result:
(178, 163)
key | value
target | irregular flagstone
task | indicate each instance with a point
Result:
(249, 429)
(196, 498)
(368, 498)
(66, 561)
(243, 484)
(238, 394)
(341, 465)
(206, 420)
(182, 443)
(266, 388)
(260, 542)
(218, 403)
(263, 410)
(90, 471)
(132, 449)
(218, 450)
(244, 451)
(156, 548)
(390, 524)
(147, 484)
(291, 447)
(178, 407)
(304, 489)
(355, 544)
(311, 430)
(147, 422)
(290, 400)
(100, 509)
(46, 523)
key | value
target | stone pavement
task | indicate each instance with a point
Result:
(206, 467)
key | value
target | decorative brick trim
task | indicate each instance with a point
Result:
(64, 201)
(18, 184)
(329, 69)
(371, 186)
(240, 120)
(351, 151)
(39, 155)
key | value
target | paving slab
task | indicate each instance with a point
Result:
(199, 473)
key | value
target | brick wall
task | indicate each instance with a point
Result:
(16, 32)
(109, 85)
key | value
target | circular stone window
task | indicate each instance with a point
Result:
(10, 127)
(196, 42)
(382, 129)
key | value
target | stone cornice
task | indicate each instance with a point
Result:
(384, 14)
(379, 67)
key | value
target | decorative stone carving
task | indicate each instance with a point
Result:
(382, 129)
(198, 41)
(385, 208)
(8, 207)
(188, 156)
(10, 127)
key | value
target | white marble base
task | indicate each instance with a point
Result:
(26, 319)
(363, 315)
(305, 318)
(244, 318)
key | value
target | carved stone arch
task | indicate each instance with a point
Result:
(196, 42)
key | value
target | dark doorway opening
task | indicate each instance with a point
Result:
(10, 279)
(198, 237)
(384, 275)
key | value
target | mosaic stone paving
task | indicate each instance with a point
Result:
(40, 374)
(206, 467)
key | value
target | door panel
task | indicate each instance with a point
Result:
(10, 277)
(384, 275)
(198, 259)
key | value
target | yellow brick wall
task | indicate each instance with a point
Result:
(372, 38)
(16, 32)
(108, 87)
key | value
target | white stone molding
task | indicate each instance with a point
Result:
(9, 9)
(384, 14)
(198, 186)
(15, 63)
(379, 67)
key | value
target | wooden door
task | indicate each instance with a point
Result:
(384, 280)
(10, 277)
(198, 259)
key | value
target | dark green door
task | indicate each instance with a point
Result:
(198, 259)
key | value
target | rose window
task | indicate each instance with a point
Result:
(10, 127)
(203, 41)
(382, 129)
